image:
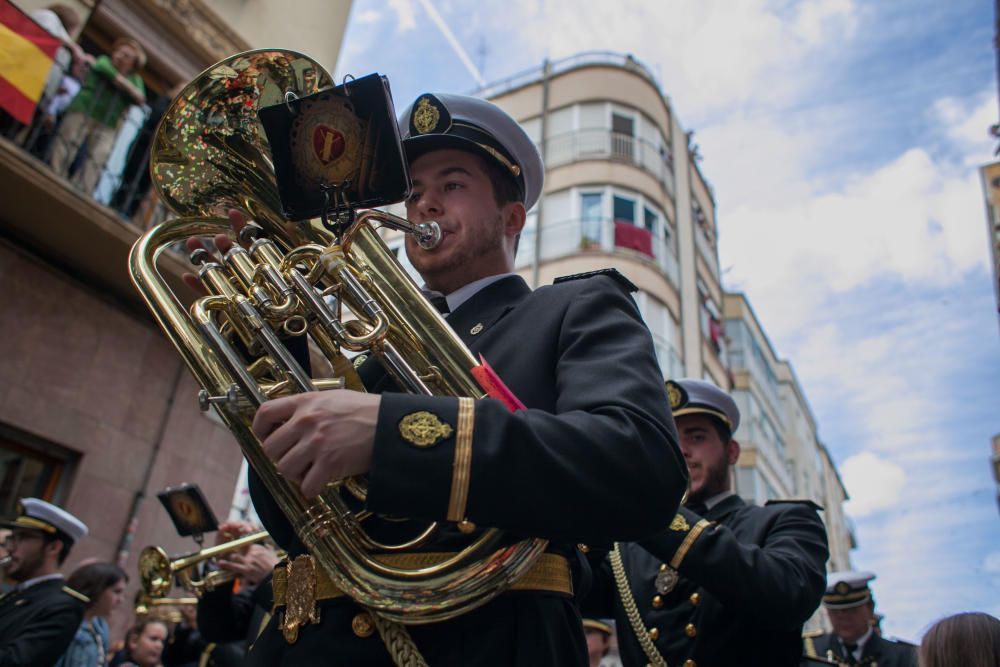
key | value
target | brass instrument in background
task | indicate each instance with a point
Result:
(210, 155)
(165, 607)
(157, 570)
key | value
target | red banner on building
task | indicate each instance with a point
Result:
(628, 235)
(26, 54)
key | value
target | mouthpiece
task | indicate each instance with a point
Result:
(428, 235)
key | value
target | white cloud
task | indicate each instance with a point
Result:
(966, 124)
(368, 16)
(406, 16)
(710, 56)
(873, 483)
(991, 564)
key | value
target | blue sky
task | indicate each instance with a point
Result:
(842, 139)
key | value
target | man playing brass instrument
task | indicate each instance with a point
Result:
(577, 466)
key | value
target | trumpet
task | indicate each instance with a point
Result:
(157, 569)
(144, 604)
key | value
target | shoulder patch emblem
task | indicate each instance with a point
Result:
(76, 594)
(680, 524)
(796, 501)
(423, 429)
(612, 273)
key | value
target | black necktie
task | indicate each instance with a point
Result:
(438, 301)
(698, 508)
(850, 649)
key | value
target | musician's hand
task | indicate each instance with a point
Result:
(319, 437)
(231, 530)
(238, 221)
(252, 566)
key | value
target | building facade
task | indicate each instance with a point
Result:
(97, 411)
(623, 189)
(990, 176)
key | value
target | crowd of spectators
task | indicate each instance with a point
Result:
(93, 124)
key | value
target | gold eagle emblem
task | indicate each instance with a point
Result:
(425, 116)
(423, 429)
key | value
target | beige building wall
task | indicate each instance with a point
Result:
(606, 131)
(312, 27)
(97, 411)
(768, 474)
(990, 176)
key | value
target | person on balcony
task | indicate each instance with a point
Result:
(92, 118)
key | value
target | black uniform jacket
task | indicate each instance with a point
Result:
(878, 652)
(747, 584)
(578, 466)
(38, 624)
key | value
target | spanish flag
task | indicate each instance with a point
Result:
(26, 54)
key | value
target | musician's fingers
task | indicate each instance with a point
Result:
(273, 413)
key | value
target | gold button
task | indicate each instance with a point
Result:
(362, 625)
(466, 527)
(654, 634)
(663, 567)
(583, 548)
(690, 663)
(657, 602)
(695, 599)
(690, 630)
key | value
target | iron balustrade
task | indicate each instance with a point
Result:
(605, 144)
(576, 235)
(121, 181)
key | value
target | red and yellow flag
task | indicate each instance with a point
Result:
(26, 54)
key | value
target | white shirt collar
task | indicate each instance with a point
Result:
(466, 292)
(717, 498)
(37, 580)
(861, 644)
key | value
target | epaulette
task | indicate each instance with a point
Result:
(614, 273)
(797, 501)
(812, 633)
(76, 594)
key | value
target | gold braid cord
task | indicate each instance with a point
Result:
(631, 611)
(398, 642)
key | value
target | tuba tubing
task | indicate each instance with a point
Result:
(413, 341)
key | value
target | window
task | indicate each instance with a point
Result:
(591, 212)
(622, 135)
(27, 470)
(649, 219)
(624, 209)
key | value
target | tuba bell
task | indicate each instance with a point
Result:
(209, 155)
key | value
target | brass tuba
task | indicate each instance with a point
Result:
(209, 155)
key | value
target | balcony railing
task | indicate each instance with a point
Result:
(604, 144)
(585, 59)
(670, 361)
(570, 237)
(107, 163)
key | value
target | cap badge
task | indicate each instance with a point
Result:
(423, 429)
(842, 588)
(426, 116)
(677, 395)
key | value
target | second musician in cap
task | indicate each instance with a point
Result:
(726, 583)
